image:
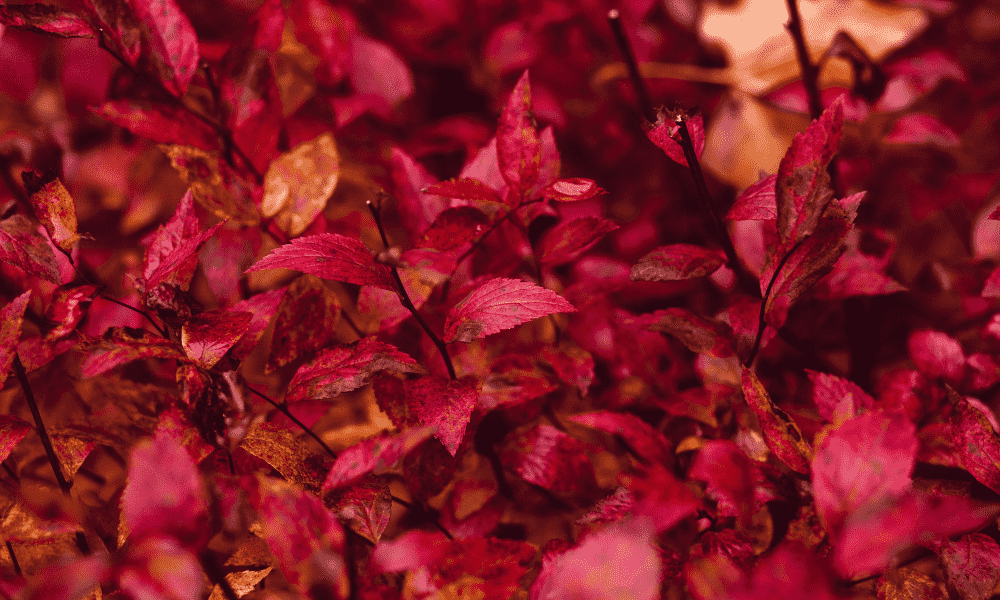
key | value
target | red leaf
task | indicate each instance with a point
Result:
(920, 129)
(327, 31)
(781, 433)
(10, 332)
(500, 304)
(330, 256)
(159, 122)
(972, 565)
(413, 549)
(976, 441)
(640, 436)
(121, 31)
(346, 368)
(67, 309)
(172, 251)
(165, 494)
(937, 354)
(699, 334)
(376, 455)
(790, 572)
(519, 148)
(208, 336)
(171, 40)
(756, 203)
(365, 507)
(995, 215)
(730, 476)
(572, 190)
(46, 19)
(666, 133)
(454, 228)
(124, 344)
(305, 538)
(838, 399)
(22, 246)
(262, 307)
(306, 322)
(619, 561)
(444, 404)
(802, 188)
(12, 431)
(551, 459)
(465, 189)
(676, 262)
(569, 239)
(377, 71)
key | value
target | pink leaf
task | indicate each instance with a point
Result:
(164, 494)
(444, 404)
(666, 135)
(756, 203)
(172, 252)
(838, 399)
(781, 433)
(12, 431)
(640, 436)
(569, 239)
(124, 344)
(519, 147)
(572, 190)
(937, 354)
(413, 549)
(972, 565)
(10, 332)
(730, 476)
(465, 189)
(262, 307)
(378, 71)
(376, 455)
(802, 188)
(208, 336)
(159, 122)
(976, 441)
(330, 256)
(676, 262)
(500, 304)
(916, 128)
(22, 246)
(45, 19)
(172, 42)
(551, 459)
(348, 367)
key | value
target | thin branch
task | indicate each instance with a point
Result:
(761, 322)
(50, 452)
(423, 510)
(159, 329)
(642, 94)
(810, 73)
(347, 318)
(404, 298)
(13, 559)
(283, 407)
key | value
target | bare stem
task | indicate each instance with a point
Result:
(50, 452)
(404, 298)
(283, 407)
(13, 559)
(810, 72)
(642, 94)
(761, 322)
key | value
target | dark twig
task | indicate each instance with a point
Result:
(159, 329)
(642, 94)
(13, 559)
(810, 73)
(761, 322)
(50, 452)
(404, 298)
(283, 407)
(423, 510)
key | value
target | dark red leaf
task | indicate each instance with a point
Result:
(22, 246)
(756, 203)
(790, 572)
(124, 344)
(802, 187)
(838, 399)
(207, 337)
(699, 334)
(676, 262)
(327, 31)
(465, 189)
(375, 455)
(46, 19)
(551, 459)
(12, 431)
(121, 31)
(11, 316)
(347, 367)
(572, 190)
(444, 404)
(330, 256)
(519, 147)
(159, 122)
(171, 40)
(500, 304)
(730, 476)
(641, 437)
(569, 239)
(972, 565)
(306, 321)
(454, 228)
(262, 307)
(665, 134)
(937, 354)
(165, 494)
(781, 433)
(365, 507)
(976, 441)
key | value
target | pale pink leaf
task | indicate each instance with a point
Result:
(937, 354)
